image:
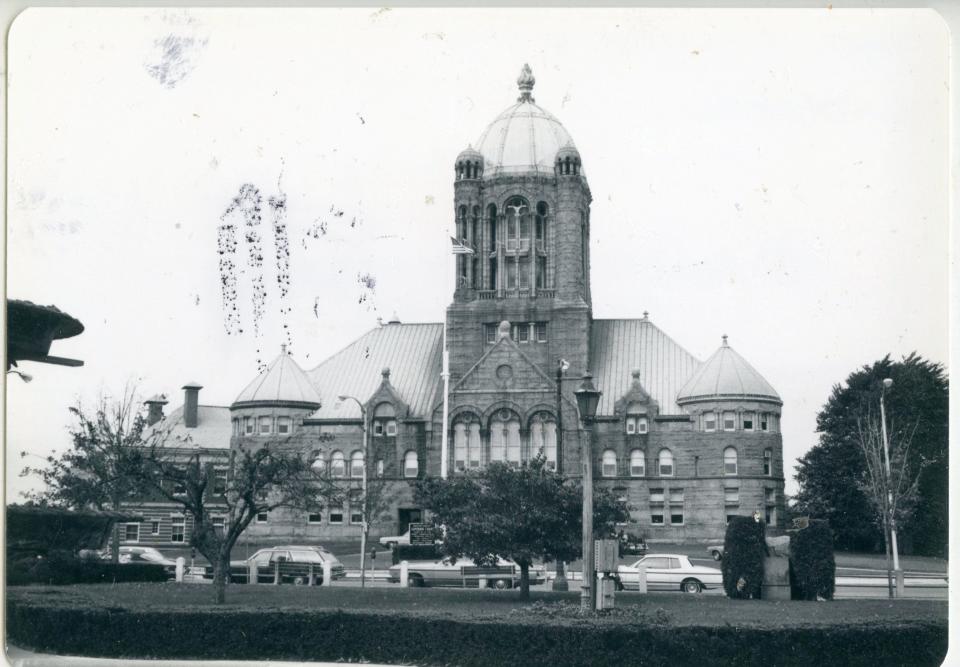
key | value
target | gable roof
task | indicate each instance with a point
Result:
(726, 374)
(618, 347)
(412, 352)
(532, 377)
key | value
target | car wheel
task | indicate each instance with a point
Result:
(691, 586)
(414, 581)
(300, 581)
(717, 555)
(391, 545)
(501, 584)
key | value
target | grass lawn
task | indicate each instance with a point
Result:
(477, 605)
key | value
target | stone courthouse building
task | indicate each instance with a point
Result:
(687, 442)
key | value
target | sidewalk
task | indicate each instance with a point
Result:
(18, 657)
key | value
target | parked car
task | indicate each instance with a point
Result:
(393, 540)
(294, 564)
(465, 573)
(716, 551)
(142, 555)
(669, 572)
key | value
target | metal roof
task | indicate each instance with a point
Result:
(727, 375)
(213, 429)
(618, 347)
(412, 352)
(281, 381)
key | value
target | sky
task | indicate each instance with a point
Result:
(779, 176)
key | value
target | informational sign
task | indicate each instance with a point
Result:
(421, 533)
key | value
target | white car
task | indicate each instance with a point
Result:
(669, 572)
(394, 540)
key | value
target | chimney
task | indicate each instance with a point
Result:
(191, 394)
(155, 408)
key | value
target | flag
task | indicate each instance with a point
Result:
(460, 248)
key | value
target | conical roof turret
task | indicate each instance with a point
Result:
(281, 382)
(727, 375)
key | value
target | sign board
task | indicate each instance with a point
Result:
(607, 555)
(421, 533)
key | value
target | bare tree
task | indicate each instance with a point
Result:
(99, 471)
(893, 497)
(235, 486)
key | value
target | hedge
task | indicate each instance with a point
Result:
(335, 635)
(59, 569)
(743, 551)
(416, 552)
(812, 565)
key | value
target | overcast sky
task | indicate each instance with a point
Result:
(777, 176)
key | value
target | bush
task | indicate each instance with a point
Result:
(812, 567)
(335, 635)
(416, 552)
(743, 551)
(61, 568)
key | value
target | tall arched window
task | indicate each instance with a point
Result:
(384, 420)
(543, 438)
(638, 464)
(460, 446)
(411, 465)
(474, 445)
(767, 462)
(729, 461)
(356, 464)
(492, 240)
(505, 437)
(665, 463)
(338, 466)
(609, 463)
(540, 237)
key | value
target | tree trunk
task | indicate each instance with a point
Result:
(886, 541)
(524, 581)
(115, 541)
(221, 573)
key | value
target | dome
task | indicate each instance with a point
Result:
(523, 139)
(282, 381)
(469, 154)
(727, 375)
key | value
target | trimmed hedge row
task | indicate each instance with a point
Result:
(392, 638)
(415, 552)
(60, 569)
(744, 548)
(812, 565)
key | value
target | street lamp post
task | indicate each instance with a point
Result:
(587, 399)
(887, 383)
(560, 581)
(363, 499)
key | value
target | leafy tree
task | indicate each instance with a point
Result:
(99, 471)
(523, 514)
(832, 476)
(256, 480)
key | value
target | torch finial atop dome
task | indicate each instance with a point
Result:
(525, 83)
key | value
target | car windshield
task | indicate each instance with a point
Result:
(307, 557)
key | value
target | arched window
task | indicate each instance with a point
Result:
(665, 463)
(638, 464)
(729, 461)
(767, 462)
(384, 420)
(460, 446)
(474, 445)
(411, 465)
(356, 464)
(543, 438)
(338, 466)
(505, 437)
(609, 463)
